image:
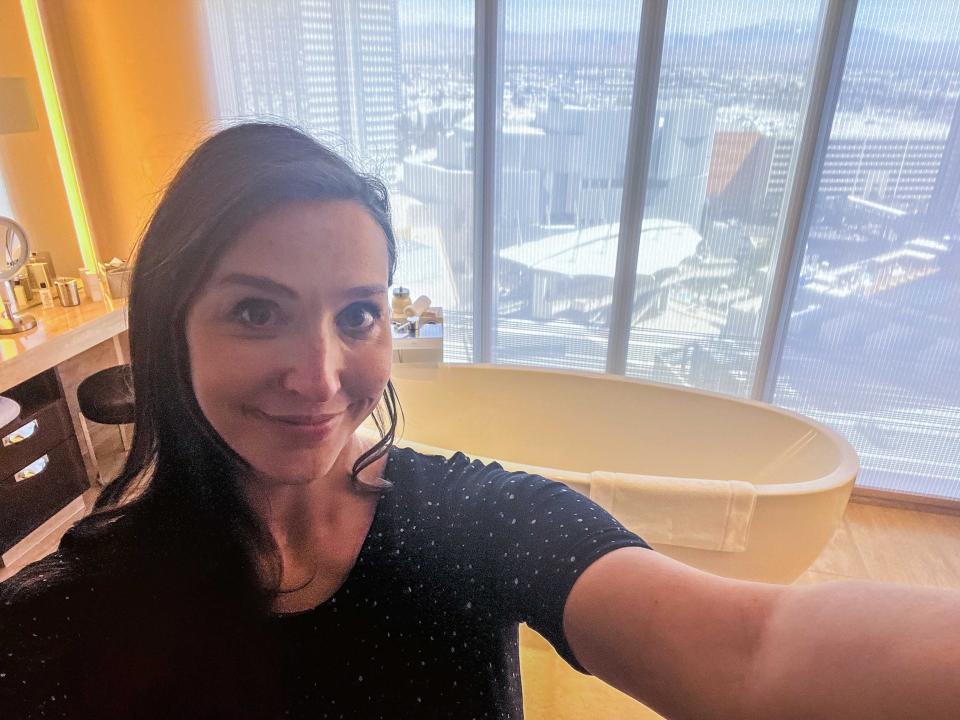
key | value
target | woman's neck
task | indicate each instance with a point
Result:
(297, 512)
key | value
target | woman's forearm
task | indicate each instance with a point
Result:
(860, 650)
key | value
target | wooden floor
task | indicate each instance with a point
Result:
(891, 545)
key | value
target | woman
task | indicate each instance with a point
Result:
(257, 558)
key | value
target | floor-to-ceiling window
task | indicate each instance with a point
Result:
(567, 72)
(873, 347)
(733, 80)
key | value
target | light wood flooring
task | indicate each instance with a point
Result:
(885, 544)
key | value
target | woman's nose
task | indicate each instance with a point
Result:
(314, 367)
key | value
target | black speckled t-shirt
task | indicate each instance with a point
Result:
(425, 625)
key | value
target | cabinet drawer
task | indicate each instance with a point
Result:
(27, 503)
(24, 440)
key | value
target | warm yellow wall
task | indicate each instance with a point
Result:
(29, 160)
(132, 76)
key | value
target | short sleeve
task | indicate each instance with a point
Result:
(535, 537)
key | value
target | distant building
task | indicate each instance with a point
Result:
(680, 161)
(739, 172)
(572, 272)
(894, 164)
(579, 155)
(329, 66)
(374, 32)
(564, 167)
(943, 213)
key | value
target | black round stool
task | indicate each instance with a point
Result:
(106, 397)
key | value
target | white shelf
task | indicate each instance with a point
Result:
(418, 343)
(418, 350)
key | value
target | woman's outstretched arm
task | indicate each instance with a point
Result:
(694, 645)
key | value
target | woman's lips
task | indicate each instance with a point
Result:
(310, 426)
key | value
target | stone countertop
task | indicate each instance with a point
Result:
(60, 334)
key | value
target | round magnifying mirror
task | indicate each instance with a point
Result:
(16, 252)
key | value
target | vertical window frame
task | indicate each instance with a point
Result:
(803, 179)
(643, 113)
(487, 44)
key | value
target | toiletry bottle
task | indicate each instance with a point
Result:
(46, 297)
(24, 290)
(399, 303)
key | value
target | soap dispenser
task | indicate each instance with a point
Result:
(46, 296)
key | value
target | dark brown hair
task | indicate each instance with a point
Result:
(178, 501)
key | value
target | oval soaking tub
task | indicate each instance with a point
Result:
(730, 486)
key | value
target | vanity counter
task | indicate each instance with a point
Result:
(43, 473)
(61, 333)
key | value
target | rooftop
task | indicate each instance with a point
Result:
(593, 250)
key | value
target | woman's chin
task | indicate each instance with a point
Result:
(290, 461)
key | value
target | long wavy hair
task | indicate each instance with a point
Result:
(178, 502)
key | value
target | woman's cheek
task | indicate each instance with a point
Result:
(377, 374)
(386, 367)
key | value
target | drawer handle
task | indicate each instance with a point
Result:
(22, 433)
(33, 469)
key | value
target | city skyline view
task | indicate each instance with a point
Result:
(870, 347)
(893, 17)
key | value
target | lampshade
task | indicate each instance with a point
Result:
(16, 112)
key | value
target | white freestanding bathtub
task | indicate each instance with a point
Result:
(771, 486)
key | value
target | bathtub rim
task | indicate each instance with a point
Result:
(845, 473)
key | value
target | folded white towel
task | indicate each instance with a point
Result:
(684, 512)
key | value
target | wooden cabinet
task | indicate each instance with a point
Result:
(41, 466)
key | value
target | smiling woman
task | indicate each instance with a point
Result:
(299, 305)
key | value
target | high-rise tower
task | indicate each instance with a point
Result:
(330, 66)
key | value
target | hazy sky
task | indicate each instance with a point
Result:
(933, 19)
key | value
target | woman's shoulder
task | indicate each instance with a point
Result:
(421, 473)
(422, 466)
(415, 457)
(48, 619)
(83, 575)
(51, 587)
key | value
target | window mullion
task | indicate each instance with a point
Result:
(806, 164)
(487, 41)
(643, 112)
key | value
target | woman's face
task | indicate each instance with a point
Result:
(289, 339)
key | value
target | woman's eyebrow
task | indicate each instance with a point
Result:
(259, 282)
(365, 291)
(268, 285)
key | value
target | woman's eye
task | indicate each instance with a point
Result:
(256, 313)
(360, 317)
